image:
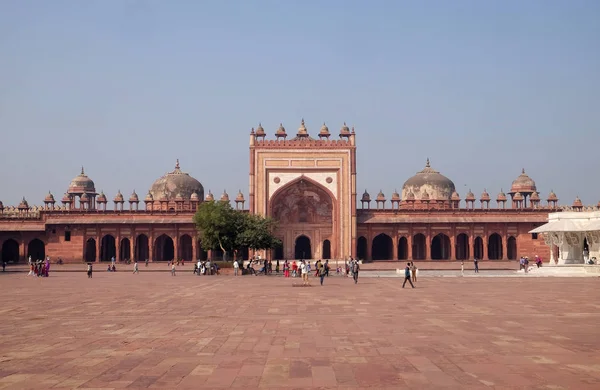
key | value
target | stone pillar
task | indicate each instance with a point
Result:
(151, 246)
(505, 247)
(471, 247)
(131, 248)
(369, 246)
(98, 246)
(552, 260)
(22, 250)
(176, 247)
(118, 248)
(485, 249)
(194, 248)
(409, 244)
(428, 247)
(453, 247)
(395, 247)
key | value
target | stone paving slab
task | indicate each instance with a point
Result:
(152, 330)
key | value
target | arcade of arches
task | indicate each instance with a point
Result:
(439, 247)
(306, 221)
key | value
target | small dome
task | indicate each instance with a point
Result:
(178, 198)
(577, 202)
(23, 205)
(424, 195)
(176, 182)
(344, 130)
(239, 197)
(523, 184)
(260, 131)
(49, 198)
(455, 196)
(280, 131)
(302, 131)
(485, 195)
(410, 196)
(224, 196)
(324, 130)
(66, 198)
(209, 196)
(119, 197)
(518, 196)
(134, 197)
(431, 181)
(101, 198)
(395, 195)
(84, 197)
(535, 196)
(195, 197)
(81, 183)
(366, 197)
(552, 196)
(501, 196)
(149, 197)
(470, 195)
(380, 195)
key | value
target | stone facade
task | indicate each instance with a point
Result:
(307, 184)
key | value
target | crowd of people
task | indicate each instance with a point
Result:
(39, 268)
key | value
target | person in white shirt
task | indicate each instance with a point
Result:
(236, 267)
(304, 269)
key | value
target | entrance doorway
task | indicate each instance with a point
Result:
(326, 250)
(302, 249)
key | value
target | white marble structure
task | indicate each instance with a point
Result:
(574, 235)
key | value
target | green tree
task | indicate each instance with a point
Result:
(221, 227)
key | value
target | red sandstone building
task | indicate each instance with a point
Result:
(307, 184)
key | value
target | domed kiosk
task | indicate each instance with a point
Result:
(176, 183)
(428, 182)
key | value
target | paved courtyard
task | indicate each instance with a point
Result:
(153, 330)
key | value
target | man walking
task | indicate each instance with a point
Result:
(355, 269)
(407, 276)
(476, 263)
(135, 267)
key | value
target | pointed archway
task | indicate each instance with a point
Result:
(511, 248)
(302, 249)
(10, 251)
(361, 248)
(141, 249)
(36, 249)
(382, 248)
(326, 255)
(462, 247)
(185, 247)
(478, 248)
(90, 250)
(304, 207)
(125, 249)
(402, 248)
(419, 246)
(164, 249)
(440, 247)
(108, 248)
(495, 247)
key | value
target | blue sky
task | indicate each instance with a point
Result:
(482, 88)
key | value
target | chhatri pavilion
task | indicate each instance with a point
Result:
(308, 184)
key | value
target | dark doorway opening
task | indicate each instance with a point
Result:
(90, 250)
(440, 247)
(495, 247)
(141, 250)
(419, 247)
(402, 248)
(512, 248)
(302, 249)
(108, 248)
(36, 249)
(382, 248)
(462, 247)
(185, 247)
(478, 250)
(326, 250)
(361, 248)
(125, 249)
(164, 249)
(10, 251)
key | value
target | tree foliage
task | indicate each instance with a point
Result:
(221, 227)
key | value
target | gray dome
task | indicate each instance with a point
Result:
(176, 183)
(431, 182)
(81, 184)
